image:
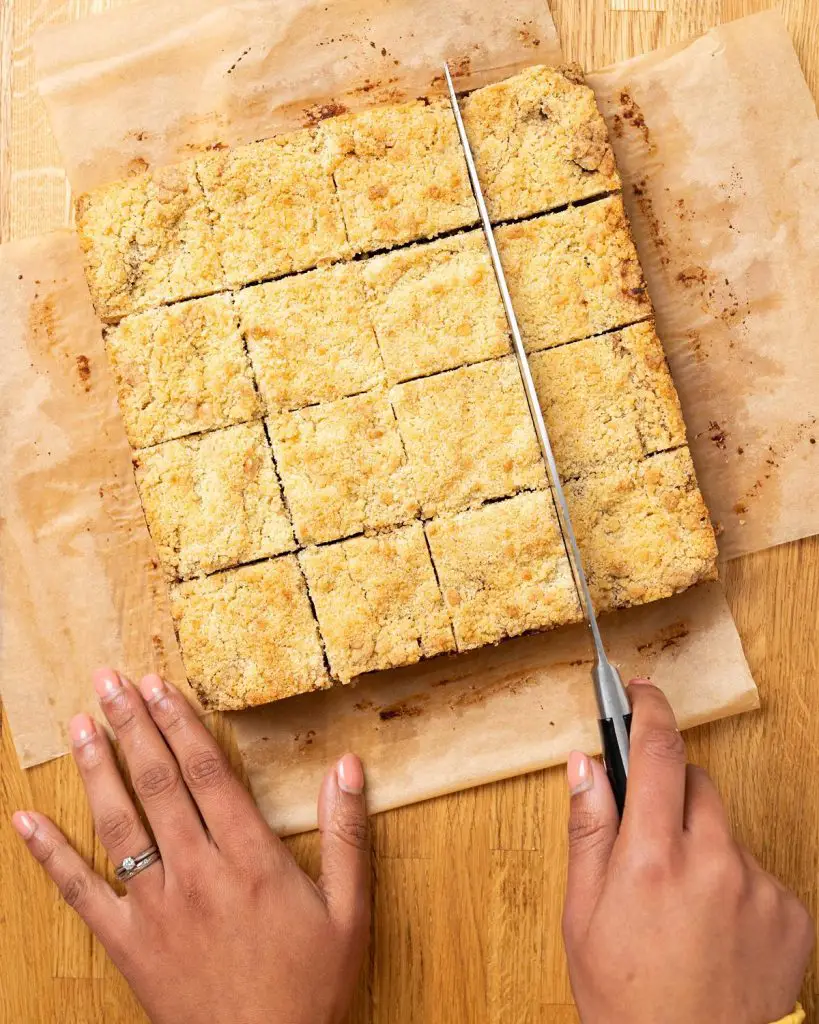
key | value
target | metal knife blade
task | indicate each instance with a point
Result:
(612, 701)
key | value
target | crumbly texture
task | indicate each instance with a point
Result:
(602, 397)
(213, 500)
(468, 435)
(310, 338)
(573, 274)
(181, 369)
(148, 241)
(275, 207)
(377, 602)
(539, 142)
(343, 468)
(503, 569)
(248, 635)
(660, 421)
(643, 530)
(400, 173)
(436, 306)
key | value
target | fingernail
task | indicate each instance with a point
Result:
(579, 773)
(24, 824)
(152, 688)
(350, 774)
(82, 730)
(639, 682)
(107, 683)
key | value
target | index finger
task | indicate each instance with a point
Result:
(227, 808)
(655, 798)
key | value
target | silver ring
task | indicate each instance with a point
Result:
(132, 866)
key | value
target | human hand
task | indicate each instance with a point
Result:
(671, 920)
(225, 929)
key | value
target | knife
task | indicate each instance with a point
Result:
(612, 702)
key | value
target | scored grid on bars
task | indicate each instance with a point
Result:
(366, 257)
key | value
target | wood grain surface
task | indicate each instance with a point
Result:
(469, 887)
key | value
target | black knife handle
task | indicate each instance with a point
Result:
(614, 759)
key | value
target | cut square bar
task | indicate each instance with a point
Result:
(539, 142)
(468, 435)
(436, 306)
(377, 602)
(181, 369)
(601, 396)
(643, 530)
(343, 468)
(503, 569)
(275, 207)
(400, 173)
(248, 635)
(148, 241)
(310, 338)
(573, 274)
(213, 500)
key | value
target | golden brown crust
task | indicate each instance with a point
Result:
(148, 241)
(310, 338)
(248, 635)
(274, 207)
(400, 174)
(607, 400)
(573, 274)
(213, 500)
(377, 602)
(539, 142)
(643, 530)
(468, 436)
(659, 414)
(180, 370)
(436, 306)
(343, 468)
(503, 570)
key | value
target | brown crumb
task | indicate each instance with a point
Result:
(320, 111)
(84, 371)
(717, 435)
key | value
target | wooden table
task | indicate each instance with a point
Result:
(469, 887)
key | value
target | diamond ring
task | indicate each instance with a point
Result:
(132, 866)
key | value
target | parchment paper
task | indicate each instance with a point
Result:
(462, 721)
(150, 83)
(81, 584)
(701, 664)
(718, 142)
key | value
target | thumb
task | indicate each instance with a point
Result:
(593, 825)
(345, 844)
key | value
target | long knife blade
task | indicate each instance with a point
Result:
(612, 702)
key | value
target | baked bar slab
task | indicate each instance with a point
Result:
(148, 241)
(539, 142)
(181, 369)
(310, 338)
(275, 207)
(643, 530)
(400, 173)
(607, 401)
(213, 500)
(248, 635)
(573, 274)
(503, 569)
(468, 435)
(343, 468)
(436, 306)
(377, 602)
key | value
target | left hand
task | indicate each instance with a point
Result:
(225, 928)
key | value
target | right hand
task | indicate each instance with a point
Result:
(670, 919)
